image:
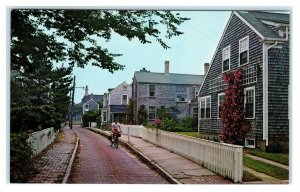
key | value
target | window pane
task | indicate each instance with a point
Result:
(208, 107)
(151, 90)
(202, 106)
(151, 112)
(249, 104)
(181, 97)
(226, 65)
(243, 57)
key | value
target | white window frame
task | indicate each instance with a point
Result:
(245, 100)
(223, 59)
(244, 38)
(124, 88)
(126, 99)
(247, 143)
(149, 112)
(220, 94)
(104, 116)
(204, 98)
(186, 99)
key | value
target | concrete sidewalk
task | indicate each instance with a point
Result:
(173, 167)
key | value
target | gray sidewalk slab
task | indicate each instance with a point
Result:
(182, 169)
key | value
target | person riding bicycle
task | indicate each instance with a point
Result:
(116, 129)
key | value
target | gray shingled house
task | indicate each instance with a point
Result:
(258, 43)
(154, 90)
(115, 102)
(90, 102)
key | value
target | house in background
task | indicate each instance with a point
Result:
(257, 43)
(90, 102)
(115, 102)
(154, 90)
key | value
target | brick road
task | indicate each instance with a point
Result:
(97, 162)
(52, 163)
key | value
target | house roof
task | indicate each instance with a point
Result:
(170, 78)
(96, 98)
(256, 19)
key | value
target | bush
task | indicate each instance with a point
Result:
(90, 116)
(21, 162)
(190, 123)
(142, 115)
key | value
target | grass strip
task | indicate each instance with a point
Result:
(282, 158)
(191, 134)
(248, 177)
(266, 168)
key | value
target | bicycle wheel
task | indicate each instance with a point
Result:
(117, 143)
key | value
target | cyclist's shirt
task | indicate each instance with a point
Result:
(115, 127)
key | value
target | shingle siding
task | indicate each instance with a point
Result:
(236, 30)
(278, 93)
(278, 84)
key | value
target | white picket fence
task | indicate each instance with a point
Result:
(41, 139)
(221, 158)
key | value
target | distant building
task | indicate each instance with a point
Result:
(115, 102)
(90, 102)
(170, 90)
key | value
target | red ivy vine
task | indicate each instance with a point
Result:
(232, 109)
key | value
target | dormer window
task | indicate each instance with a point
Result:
(226, 59)
(244, 50)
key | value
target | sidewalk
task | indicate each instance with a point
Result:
(173, 167)
(54, 162)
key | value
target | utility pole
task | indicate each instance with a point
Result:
(72, 104)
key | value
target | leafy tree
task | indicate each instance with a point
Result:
(75, 36)
(169, 113)
(90, 116)
(142, 115)
(232, 109)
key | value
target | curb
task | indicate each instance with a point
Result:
(71, 160)
(144, 158)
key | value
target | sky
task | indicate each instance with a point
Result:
(187, 54)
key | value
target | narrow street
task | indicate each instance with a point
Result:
(97, 162)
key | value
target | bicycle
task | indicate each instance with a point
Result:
(115, 140)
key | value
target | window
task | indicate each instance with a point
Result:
(151, 112)
(124, 88)
(226, 59)
(221, 98)
(124, 100)
(244, 50)
(195, 92)
(151, 90)
(205, 107)
(181, 97)
(86, 107)
(104, 116)
(250, 143)
(249, 102)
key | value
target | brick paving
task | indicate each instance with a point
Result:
(52, 162)
(97, 162)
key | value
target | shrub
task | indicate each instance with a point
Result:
(90, 116)
(189, 123)
(142, 115)
(21, 162)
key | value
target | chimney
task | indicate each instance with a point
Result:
(206, 66)
(166, 67)
(86, 90)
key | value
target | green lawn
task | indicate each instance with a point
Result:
(266, 168)
(247, 177)
(277, 157)
(192, 134)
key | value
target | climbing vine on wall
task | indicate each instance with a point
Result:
(232, 109)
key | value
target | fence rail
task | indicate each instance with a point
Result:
(224, 159)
